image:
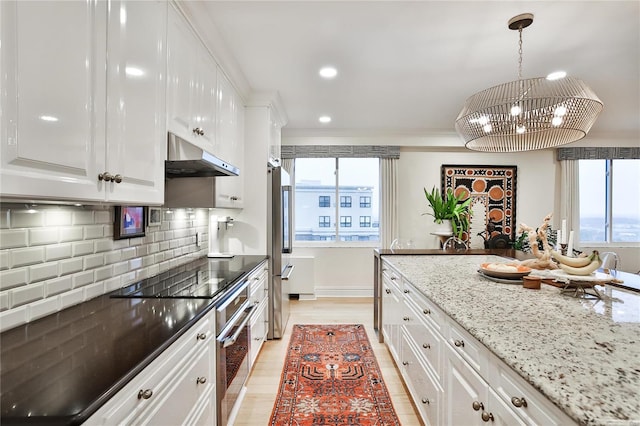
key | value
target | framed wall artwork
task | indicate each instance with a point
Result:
(129, 222)
(154, 216)
(493, 206)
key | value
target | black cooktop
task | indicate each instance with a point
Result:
(201, 279)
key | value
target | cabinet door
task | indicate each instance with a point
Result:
(52, 128)
(182, 47)
(204, 115)
(500, 413)
(463, 389)
(275, 140)
(136, 92)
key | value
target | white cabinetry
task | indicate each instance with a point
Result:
(230, 141)
(453, 378)
(178, 387)
(259, 325)
(192, 80)
(78, 104)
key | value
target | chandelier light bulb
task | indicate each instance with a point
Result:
(487, 128)
(556, 121)
(520, 129)
(560, 111)
(516, 110)
(483, 120)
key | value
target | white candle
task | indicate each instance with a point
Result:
(570, 247)
(558, 239)
(564, 231)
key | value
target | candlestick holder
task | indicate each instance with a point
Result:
(563, 249)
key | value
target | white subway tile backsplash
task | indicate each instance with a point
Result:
(82, 259)
(82, 248)
(43, 308)
(43, 272)
(82, 217)
(58, 285)
(70, 234)
(13, 238)
(69, 266)
(57, 217)
(92, 232)
(26, 256)
(26, 218)
(26, 294)
(82, 278)
(57, 252)
(93, 261)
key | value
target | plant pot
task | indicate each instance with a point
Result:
(443, 228)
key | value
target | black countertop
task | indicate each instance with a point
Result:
(61, 368)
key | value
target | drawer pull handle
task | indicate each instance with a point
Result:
(519, 402)
(145, 394)
(387, 291)
(393, 278)
(106, 176)
(477, 406)
(199, 131)
(117, 178)
(459, 343)
(426, 346)
(201, 380)
(201, 336)
(487, 416)
(406, 291)
(406, 318)
(426, 311)
(405, 363)
(426, 401)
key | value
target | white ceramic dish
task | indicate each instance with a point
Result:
(496, 270)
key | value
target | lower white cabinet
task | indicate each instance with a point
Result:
(452, 378)
(259, 298)
(178, 387)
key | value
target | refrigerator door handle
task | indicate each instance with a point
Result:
(286, 275)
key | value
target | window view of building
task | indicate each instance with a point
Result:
(320, 180)
(609, 205)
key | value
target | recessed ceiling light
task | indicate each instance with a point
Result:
(133, 72)
(48, 118)
(325, 119)
(557, 75)
(328, 72)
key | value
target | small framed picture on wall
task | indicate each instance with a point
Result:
(155, 216)
(129, 222)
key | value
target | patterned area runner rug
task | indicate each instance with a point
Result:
(331, 377)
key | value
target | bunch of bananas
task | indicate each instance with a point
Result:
(578, 265)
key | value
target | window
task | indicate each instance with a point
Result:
(324, 221)
(365, 221)
(609, 206)
(345, 201)
(318, 181)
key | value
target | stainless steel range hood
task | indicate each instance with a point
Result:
(185, 159)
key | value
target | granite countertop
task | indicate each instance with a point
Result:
(582, 354)
(63, 367)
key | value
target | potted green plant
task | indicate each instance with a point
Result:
(449, 207)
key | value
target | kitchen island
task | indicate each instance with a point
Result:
(582, 355)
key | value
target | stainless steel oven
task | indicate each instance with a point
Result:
(233, 336)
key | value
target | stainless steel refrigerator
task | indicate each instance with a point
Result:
(280, 238)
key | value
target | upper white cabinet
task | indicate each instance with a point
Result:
(192, 82)
(230, 142)
(275, 138)
(81, 112)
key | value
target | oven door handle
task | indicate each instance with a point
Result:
(228, 341)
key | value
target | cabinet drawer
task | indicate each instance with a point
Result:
(179, 394)
(258, 282)
(427, 341)
(522, 398)
(391, 276)
(468, 348)
(258, 331)
(429, 312)
(426, 392)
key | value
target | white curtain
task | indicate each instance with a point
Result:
(388, 201)
(570, 194)
(287, 165)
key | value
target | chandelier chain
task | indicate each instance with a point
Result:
(520, 54)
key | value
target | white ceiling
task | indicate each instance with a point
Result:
(408, 66)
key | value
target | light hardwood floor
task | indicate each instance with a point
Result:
(262, 385)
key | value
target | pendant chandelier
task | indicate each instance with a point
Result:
(528, 114)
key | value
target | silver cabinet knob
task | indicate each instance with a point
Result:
(145, 394)
(426, 401)
(487, 416)
(106, 176)
(406, 318)
(406, 291)
(201, 380)
(201, 336)
(117, 178)
(426, 311)
(405, 363)
(393, 278)
(199, 131)
(426, 346)
(477, 405)
(519, 402)
(234, 198)
(459, 343)
(387, 291)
